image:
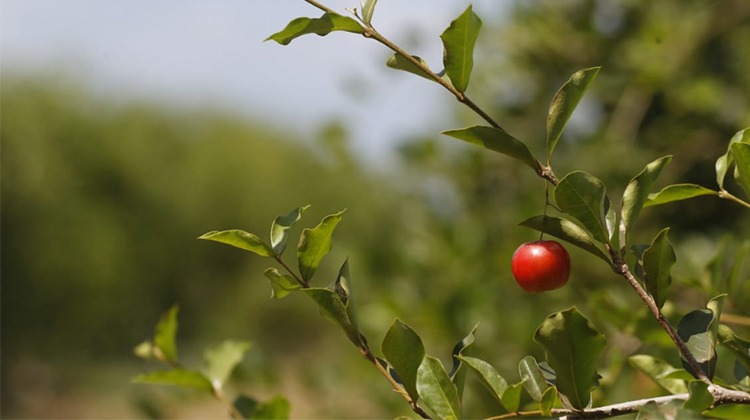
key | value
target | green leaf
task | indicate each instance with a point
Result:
(436, 390)
(566, 230)
(582, 196)
(342, 285)
(315, 243)
(658, 260)
(564, 103)
(637, 193)
(368, 8)
(700, 398)
(240, 239)
(740, 348)
(276, 408)
(490, 378)
(659, 371)
(281, 284)
(725, 161)
(399, 62)
(741, 152)
(729, 411)
(458, 371)
(533, 378)
(548, 401)
(280, 229)
(404, 351)
(497, 140)
(333, 308)
(677, 192)
(511, 398)
(694, 329)
(166, 332)
(221, 359)
(321, 26)
(667, 411)
(458, 43)
(573, 347)
(176, 377)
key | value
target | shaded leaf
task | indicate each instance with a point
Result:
(436, 390)
(566, 230)
(729, 411)
(399, 62)
(276, 408)
(677, 192)
(694, 328)
(658, 260)
(670, 411)
(221, 359)
(321, 26)
(281, 284)
(564, 103)
(368, 8)
(700, 398)
(458, 371)
(533, 378)
(659, 371)
(582, 196)
(240, 239)
(404, 351)
(490, 378)
(725, 161)
(741, 152)
(637, 192)
(342, 286)
(497, 140)
(333, 308)
(176, 377)
(166, 332)
(280, 229)
(573, 347)
(315, 243)
(458, 43)
(739, 347)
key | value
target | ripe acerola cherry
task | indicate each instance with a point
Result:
(540, 266)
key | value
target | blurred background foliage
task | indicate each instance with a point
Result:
(102, 203)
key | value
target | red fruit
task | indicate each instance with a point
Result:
(540, 266)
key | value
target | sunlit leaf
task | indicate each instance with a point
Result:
(637, 192)
(658, 370)
(533, 378)
(280, 229)
(658, 260)
(497, 140)
(573, 347)
(221, 359)
(582, 196)
(548, 401)
(166, 332)
(399, 62)
(694, 329)
(322, 26)
(458, 43)
(511, 399)
(566, 230)
(368, 8)
(741, 152)
(677, 192)
(240, 239)
(564, 103)
(490, 378)
(436, 390)
(315, 243)
(725, 161)
(281, 284)
(404, 351)
(729, 412)
(176, 377)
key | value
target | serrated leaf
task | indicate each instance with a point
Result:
(741, 152)
(564, 103)
(176, 377)
(436, 390)
(276, 408)
(497, 140)
(399, 62)
(281, 284)
(459, 40)
(490, 378)
(725, 161)
(368, 8)
(677, 192)
(582, 196)
(700, 398)
(658, 260)
(404, 351)
(694, 329)
(532, 377)
(315, 243)
(240, 239)
(280, 229)
(566, 230)
(573, 347)
(637, 192)
(222, 358)
(166, 332)
(458, 371)
(321, 26)
(659, 371)
(333, 308)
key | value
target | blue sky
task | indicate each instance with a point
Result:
(211, 52)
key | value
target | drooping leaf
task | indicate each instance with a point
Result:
(399, 62)
(458, 43)
(677, 192)
(566, 230)
(368, 8)
(280, 229)
(240, 239)
(176, 377)
(404, 351)
(321, 26)
(222, 358)
(658, 260)
(564, 103)
(725, 161)
(659, 371)
(497, 140)
(582, 196)
(281, 284)
(533, 378)
(436, 390)
(333, 308)
(458, 371)
(573, 347)
(700, 398)
(489, 377)
(637, 193)
(741, 152)
(276, 408)
(166, 332)
(315, 243)
(694, 329)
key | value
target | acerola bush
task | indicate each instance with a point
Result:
(580, 213)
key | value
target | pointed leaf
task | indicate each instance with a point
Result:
(700, 398)
(240, 239)
(176, 377)
(497, 140)
(511, 398)
(330, 305)
(166, 332)
(548, 401)
(342, 286)
(281, 284)
(637, 193)
(725, 161)
(677, 192)
(221, 359)
(321, 26)
(315, 243)
(658, 260)
(404, 351)
(567, 231)
(368, 8)
(564, 103)
(582, 196)
(436, 390)
(280, 229)
(399, 62)
(573, 347)
(533, 378)
(659, 371)
(694, 329)
(490, 378)
(741, 152)
(458, 43)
